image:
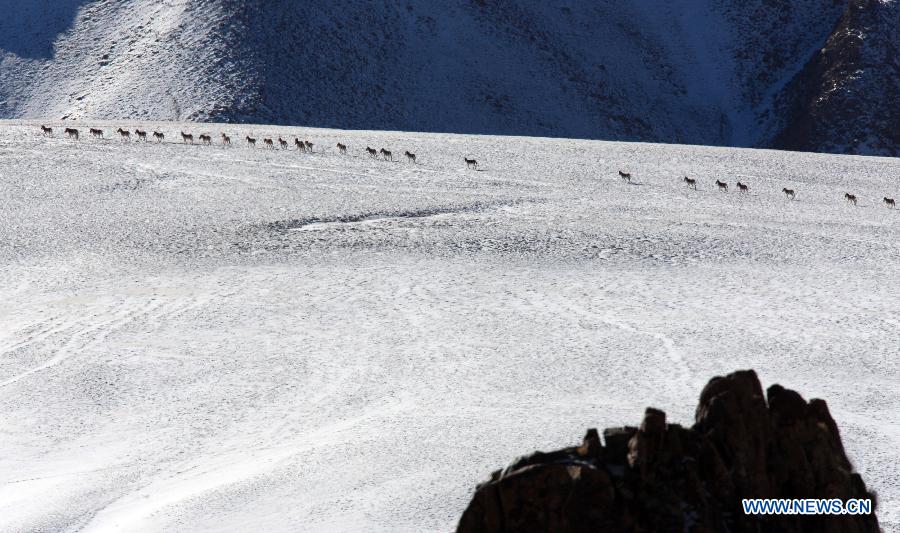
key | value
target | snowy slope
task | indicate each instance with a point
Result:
(715, 72)
(208, 338)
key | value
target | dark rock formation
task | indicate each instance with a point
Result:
(664, 477)
(845, 99)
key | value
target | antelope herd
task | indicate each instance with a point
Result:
(743, 188)
(302, 145)
(306, 146)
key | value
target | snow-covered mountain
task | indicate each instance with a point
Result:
(818, 75)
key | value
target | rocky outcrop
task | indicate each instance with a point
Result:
(665, 477)
(845, 99)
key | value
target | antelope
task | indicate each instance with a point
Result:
(387, 155)
(96, 133)
(471, 163)
(205, 139)
(268, 142)
(142, 135)
(851, 198)
(283, 143)
(372, 152)
(46, 130)
(309, 146)
(187, 137)
(125, 134)
(251, 141)
(342, 148)
(300, 145)
(743, 187)
(626, 177)
(71, 133)
(410, 156)
(789, 193)
(226, 140)
(889, 202)
(159, 136)
(722, 185)
(691, 182)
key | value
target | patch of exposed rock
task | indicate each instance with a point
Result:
(665, 477)
(846, 96)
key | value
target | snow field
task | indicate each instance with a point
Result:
(209, 338)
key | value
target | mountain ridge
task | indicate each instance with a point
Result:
(714, 72)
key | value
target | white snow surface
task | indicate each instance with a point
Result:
(199, 338)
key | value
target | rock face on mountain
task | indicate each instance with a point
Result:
(664, 477)
(800, 74)
(845, 100)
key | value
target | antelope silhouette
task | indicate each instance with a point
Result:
(851, 198)
(205, 139)
(722, 185)
(342, 148)
(226, 140)
(309, 146)
(187, 137)
(268, 143)
(889, 202)
(125, 134)
(387, 155)
(46, 131)
(410, 156)
(471, 163)
(789, 193)
(96, 133)
(251, 141)
(142, 135)
(283, 143)
(72, 133)
(300, 144)
(159, 136)
(626, 177)
(691, 182)
(372, 152)
(743, 187)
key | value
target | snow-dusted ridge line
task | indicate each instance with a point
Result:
(712, 72)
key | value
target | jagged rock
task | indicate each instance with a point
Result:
(845, 98)
(664, 477)
(617, 443)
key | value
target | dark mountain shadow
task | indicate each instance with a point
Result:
(28, 28)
